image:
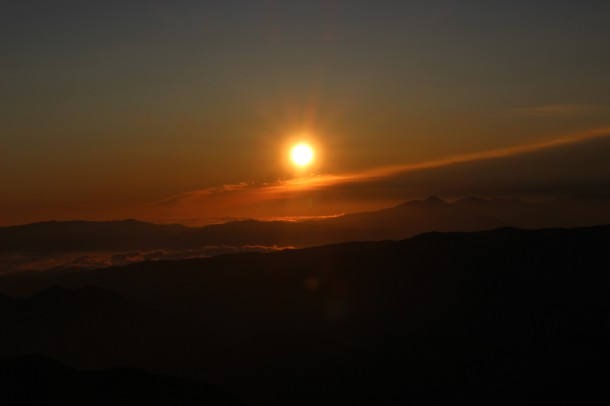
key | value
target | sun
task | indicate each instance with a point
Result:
(302, 155)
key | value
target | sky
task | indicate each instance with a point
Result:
(184, 111)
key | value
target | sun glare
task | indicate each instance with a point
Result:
(302, 155)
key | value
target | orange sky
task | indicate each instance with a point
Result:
(293, 197)
(110, 108)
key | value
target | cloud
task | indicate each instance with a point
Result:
(560, 110)
(19, 261)
(214, 190)
(257, 194)
(295, 219)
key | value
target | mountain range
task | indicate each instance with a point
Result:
(506, 316)
(402, 221)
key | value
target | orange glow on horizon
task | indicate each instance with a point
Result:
(239, 197)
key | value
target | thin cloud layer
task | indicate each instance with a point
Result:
(257, 195)
(25, 261)
(559, 110)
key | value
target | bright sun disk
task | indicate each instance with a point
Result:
(301, 155)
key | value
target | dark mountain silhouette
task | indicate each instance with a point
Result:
(506, 316)
(405, 220)
(90, 236)
(416, 217)
(34, 380)
(70, 323)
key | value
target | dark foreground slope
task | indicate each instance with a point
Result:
(497, 317)
(35, 381)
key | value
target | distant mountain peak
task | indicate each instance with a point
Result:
(52, 291)
(432, 200)
(435, 200)
(5, 298)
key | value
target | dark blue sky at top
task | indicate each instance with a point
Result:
(238, 48)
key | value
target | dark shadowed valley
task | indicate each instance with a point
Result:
(440, 318)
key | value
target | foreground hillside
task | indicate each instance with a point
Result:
(496, 317)
(34, 381)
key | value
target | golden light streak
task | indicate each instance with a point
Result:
(253, 192)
